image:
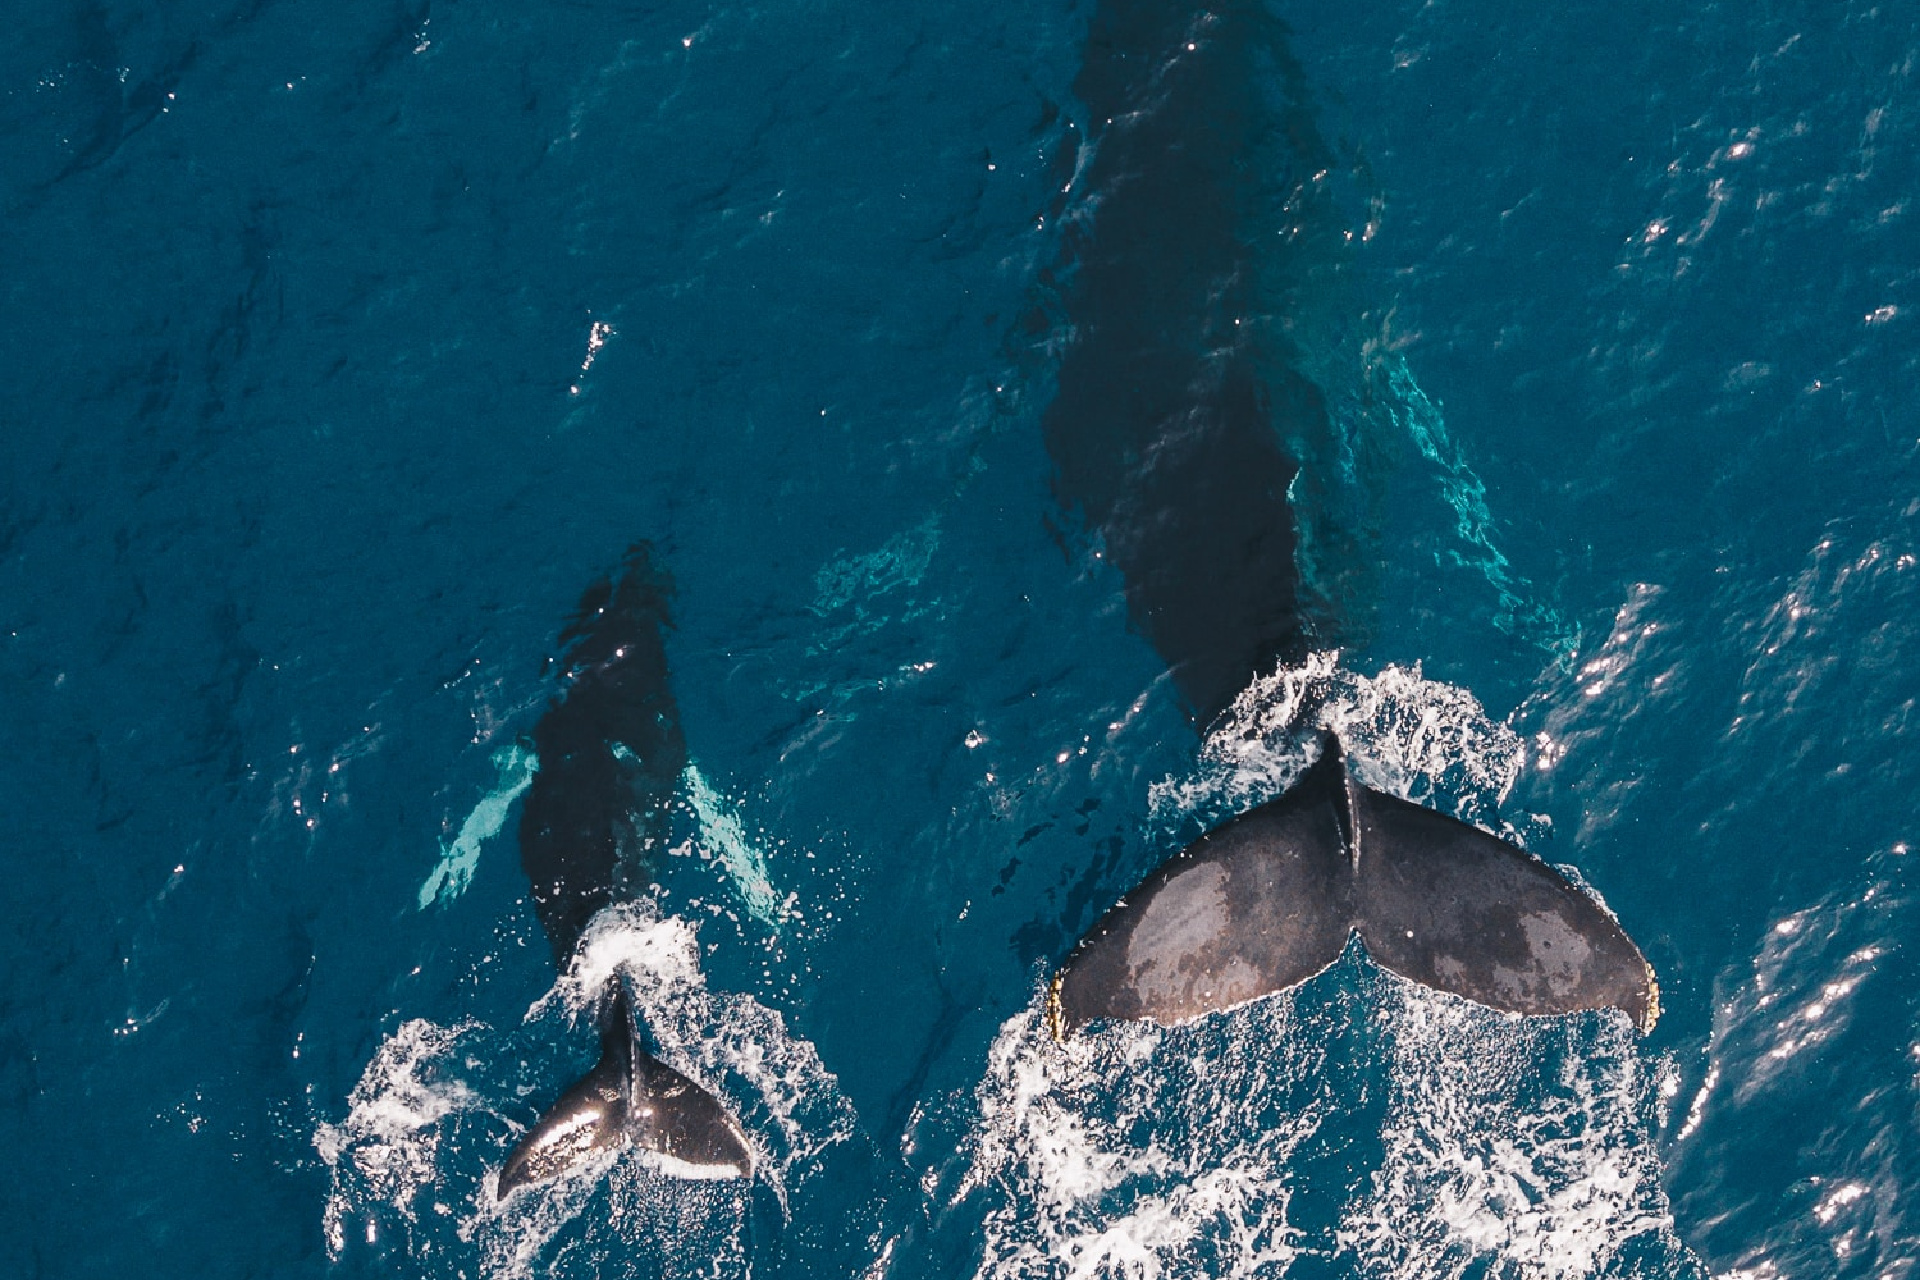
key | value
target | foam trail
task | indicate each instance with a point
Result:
(413, 1163)
(387, 1147)
(515, 767)
(1514, 1147)
(1140, 1152)
(1509, 1147)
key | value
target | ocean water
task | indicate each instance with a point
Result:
(345, 346)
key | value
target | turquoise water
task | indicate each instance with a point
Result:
(345, 348)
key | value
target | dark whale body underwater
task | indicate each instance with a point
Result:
(1177, 437)
(610, 756)
(1162, 432)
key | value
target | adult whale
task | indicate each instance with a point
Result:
(610, 755)
(1176, 436)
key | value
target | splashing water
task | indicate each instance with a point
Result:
(1140, 1152)
(1507, 1146)
(1417, 738)
(1513, 1147)
(795, 1109)
(387, 1146)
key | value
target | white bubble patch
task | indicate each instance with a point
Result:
(414, 1162)
(1404, 734)
(1128, 1154)
(1513, 1146)
(1507, 1147)
(386, 1150)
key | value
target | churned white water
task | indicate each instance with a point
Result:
(1127, 1154)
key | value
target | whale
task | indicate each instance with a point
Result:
(611, 753)
(1180, 434)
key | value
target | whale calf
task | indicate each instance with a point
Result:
(1204, 220)
(611, 753)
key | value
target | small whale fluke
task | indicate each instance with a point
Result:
(629, 1097)
(1269, 899)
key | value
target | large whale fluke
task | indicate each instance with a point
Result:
(1269, 899)
(629, 1097)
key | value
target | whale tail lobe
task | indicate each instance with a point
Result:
(629, 1098)
(1270, 899)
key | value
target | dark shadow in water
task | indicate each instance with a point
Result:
(1182, 417)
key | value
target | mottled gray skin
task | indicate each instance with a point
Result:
(611, 753)
(1270, 899)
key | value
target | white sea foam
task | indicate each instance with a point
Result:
(1509, 1147)
(385, 1152)
(603, 1216)
(1129, 1154)
(413, 1163)
(1405, 734)
(1513, 1147)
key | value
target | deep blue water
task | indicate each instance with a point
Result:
(344, 347)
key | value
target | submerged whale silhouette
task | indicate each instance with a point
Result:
(611, 754)
(1179, 389)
